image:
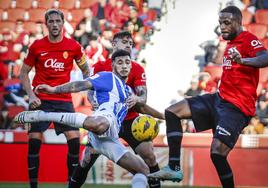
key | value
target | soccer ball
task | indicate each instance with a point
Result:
(144, 128)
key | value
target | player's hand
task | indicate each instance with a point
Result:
(34, 102)
(235, 55)
(43, 88)
(131, 101)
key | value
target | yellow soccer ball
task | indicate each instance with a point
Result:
(145, 128)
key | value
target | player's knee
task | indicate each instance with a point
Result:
(218, 147)
(97, 125)
(216, 158)
(180, 109)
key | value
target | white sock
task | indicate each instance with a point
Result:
(139, 181)
(71, 119)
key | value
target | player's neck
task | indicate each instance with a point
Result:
(122, 78)
(56, 39)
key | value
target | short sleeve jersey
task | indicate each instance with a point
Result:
(136, 78)
(53, 63)
(111, 93)
(239, 82)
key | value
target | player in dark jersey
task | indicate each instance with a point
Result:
(226, 112)
(52, 58)
(137, 81)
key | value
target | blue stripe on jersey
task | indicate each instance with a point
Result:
(111, 90)
(122, 92)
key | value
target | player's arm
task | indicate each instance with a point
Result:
(141, 92)
(146, 109)
(71, 87)
(138, 99)
(260, 61)
(34, 101)
(83, 65)
(25, 69)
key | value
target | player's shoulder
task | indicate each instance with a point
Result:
(102, 63)
(71, 41)
(38, 42)
(41, 41)
(251, 40)
(136, 66)
(103, 66)
(248, 36)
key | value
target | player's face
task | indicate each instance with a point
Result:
(126, 43)
(122, 66)
(54, 25)
(229, 25)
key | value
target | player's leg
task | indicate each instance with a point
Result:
(144, 149)
(73, 141)
(218, 155)
(96, 124)
(71, 133)
(137, 167)
(199, 109)
(79, 175)
(231, 123)
(34, 144)
(114, 150)
(173, 116)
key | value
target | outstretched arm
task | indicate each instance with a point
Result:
(71, 87)
(260, 61)
(146, 109)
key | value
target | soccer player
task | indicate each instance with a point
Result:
(112, 95)
(137, 81)
(52, 58)
(228, 111)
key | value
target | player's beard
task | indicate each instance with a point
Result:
(231, 36)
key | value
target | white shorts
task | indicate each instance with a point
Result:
(114, 127)
(110, 147)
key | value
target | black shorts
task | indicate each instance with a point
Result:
(226, 120)
(53, 106)
(126, 133)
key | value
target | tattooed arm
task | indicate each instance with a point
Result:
(138, 99)
(83, 65)
(71, 87)
(141, 92)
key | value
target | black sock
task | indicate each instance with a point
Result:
(154, 168)
(73, 155)
(174, 137)
(223, 169)
(33, 161)
(80, 174)
(154, 183)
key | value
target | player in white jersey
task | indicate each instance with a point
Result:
(114, 98)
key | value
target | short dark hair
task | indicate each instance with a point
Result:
(54, 11)
(122, 34)
(120, 53)
(233, 10)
